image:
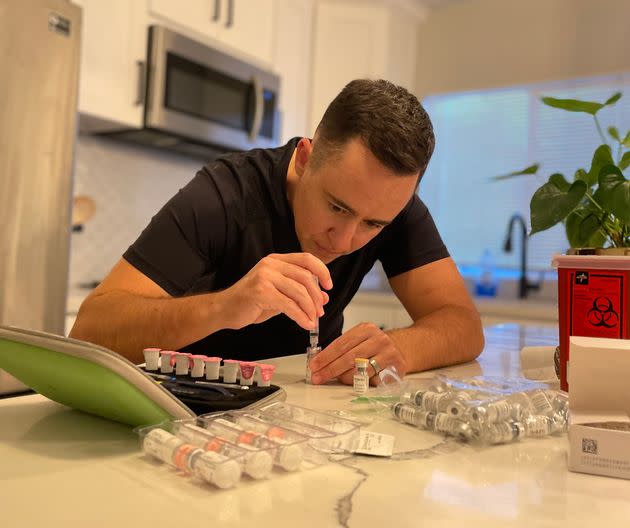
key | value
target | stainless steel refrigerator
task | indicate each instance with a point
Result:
(39, 66)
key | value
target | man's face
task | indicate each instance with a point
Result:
(346, 201)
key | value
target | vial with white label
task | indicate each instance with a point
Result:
(500, 433)
(166, 361)
(289, 451)
(457, 406)
(257, 464)
(211, 467)
(151, 358)
(413, 415)
(493, 412)
(538, 425)
(435, 401)
(361, 380)
(311, 352)
(541, 402)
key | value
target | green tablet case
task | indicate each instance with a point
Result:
(89, 377)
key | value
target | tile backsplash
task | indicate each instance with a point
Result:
(129, 185)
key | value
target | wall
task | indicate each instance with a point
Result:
(129, 184)
(491, 43)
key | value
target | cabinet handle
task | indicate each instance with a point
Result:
(217, 11)
(141, 86)
(230, 17)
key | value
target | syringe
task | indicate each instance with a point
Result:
(313, 334)
(313, 338)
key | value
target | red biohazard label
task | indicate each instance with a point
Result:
(597, 303)
(591, 303)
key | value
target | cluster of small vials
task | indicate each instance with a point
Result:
(478, 414)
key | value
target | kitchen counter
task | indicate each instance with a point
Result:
(535, 310)
(61, 467)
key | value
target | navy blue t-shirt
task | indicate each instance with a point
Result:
(233, 213)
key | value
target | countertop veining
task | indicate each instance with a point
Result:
(60, 467)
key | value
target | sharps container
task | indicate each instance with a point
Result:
(593, 298)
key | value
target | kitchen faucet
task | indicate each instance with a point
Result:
(524, 285)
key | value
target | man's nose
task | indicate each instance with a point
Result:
(341, 237)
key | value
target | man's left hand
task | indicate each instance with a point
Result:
(365, 340)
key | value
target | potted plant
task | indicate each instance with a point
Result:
(593, 285)
(595, 205)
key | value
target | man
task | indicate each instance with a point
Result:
(226, 266)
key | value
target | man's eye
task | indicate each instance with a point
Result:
(335, 208)
(373, 225)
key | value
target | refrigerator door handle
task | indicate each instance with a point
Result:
(258, 109)
(141, 87)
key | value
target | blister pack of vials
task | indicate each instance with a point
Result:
(223, 448)
(484, 410)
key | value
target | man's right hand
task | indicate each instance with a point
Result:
(279, 283)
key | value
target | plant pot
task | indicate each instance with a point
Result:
(593, 297)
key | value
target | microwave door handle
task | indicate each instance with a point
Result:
(258, 112)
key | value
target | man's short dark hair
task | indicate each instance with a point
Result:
(389, 120)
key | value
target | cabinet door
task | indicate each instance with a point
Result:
(200, 16)
(113, 50)
(247, 26)
(292, 61)
(350, 43)
(401, 64)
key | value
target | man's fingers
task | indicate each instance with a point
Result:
(344, 362)
(305, 278)
(309, 262)
(282, 303)
(336, 349)
(298, 293)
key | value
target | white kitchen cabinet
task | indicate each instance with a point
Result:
(114, 48)
(248, 26)
(243, 26)
(292, 59)
(201, 16)
(113, 51)
(361, 40)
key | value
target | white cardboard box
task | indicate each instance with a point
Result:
(599, 404)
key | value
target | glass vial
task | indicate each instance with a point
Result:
(361, 380)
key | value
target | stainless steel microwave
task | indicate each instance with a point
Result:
(201, 101)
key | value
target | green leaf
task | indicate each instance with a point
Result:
(581, 174)
(615, 192)
(574, 105)
(552, 202)
(613, 132)
(532, 169)
(581, 225)
(624, 162)
(598, 240)
(626, 140)
(613, 99)
(601, 158)
(559, 181)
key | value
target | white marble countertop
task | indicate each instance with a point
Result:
(532, 309)
(60, 467)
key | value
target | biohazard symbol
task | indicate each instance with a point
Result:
(602, 313)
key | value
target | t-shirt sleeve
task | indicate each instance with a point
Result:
(184, 239)
(413, 240)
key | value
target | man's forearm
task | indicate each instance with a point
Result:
(127, 323)
(450, 335)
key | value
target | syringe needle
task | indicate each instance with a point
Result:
(313, 334)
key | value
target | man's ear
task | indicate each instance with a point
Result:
(303, 153)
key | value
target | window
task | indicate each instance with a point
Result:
(488, 133)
